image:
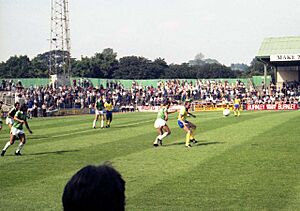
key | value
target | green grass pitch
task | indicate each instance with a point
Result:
(246, 163)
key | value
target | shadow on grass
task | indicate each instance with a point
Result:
(54, 152)
(197, 144)
(208, 143)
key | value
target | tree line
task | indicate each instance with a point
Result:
(106, 65)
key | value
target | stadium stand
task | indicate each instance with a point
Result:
(83, 94)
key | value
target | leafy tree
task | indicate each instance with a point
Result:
(154, 70)
(239, 66)
(18, 66)
(82, 68)
(106, 65)
(178, 71)
(211, 61)
(132, 67)
(3, 71)
(103, 65)
(257, 68)
(198, 60)
(110, 62)
(40, 65)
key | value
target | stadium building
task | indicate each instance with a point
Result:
(283, 55)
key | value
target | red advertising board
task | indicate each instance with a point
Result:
(272, 107)
(255, 107)
(287, 106)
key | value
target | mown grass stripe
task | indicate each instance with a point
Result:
(157, 175)
(184, 179)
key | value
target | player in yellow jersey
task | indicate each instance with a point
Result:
(187, 126)
(108, 108)
(236, 106)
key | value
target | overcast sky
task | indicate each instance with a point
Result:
(230, 31)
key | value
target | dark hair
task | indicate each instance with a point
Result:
(95, 188)
(167, 102)
(23, 107)
(17, 103)
(187, 102)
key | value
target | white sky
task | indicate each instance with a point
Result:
(230, 31)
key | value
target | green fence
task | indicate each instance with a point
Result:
(153, 82)
(97, 82)
(257, 80)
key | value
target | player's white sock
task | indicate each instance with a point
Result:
(21, 145)
(94, 123)
(102, 123)
(163, 135)
(6, 146)
(156, 140)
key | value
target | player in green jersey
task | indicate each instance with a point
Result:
(17, 131)
(160, 123)
(11, 114)
(99, 111)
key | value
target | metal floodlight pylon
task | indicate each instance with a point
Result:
(60, 46)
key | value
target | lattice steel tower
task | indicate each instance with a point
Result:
(60, 46)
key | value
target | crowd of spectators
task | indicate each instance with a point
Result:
(215, 92)
(83, 95)
(10, 85)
